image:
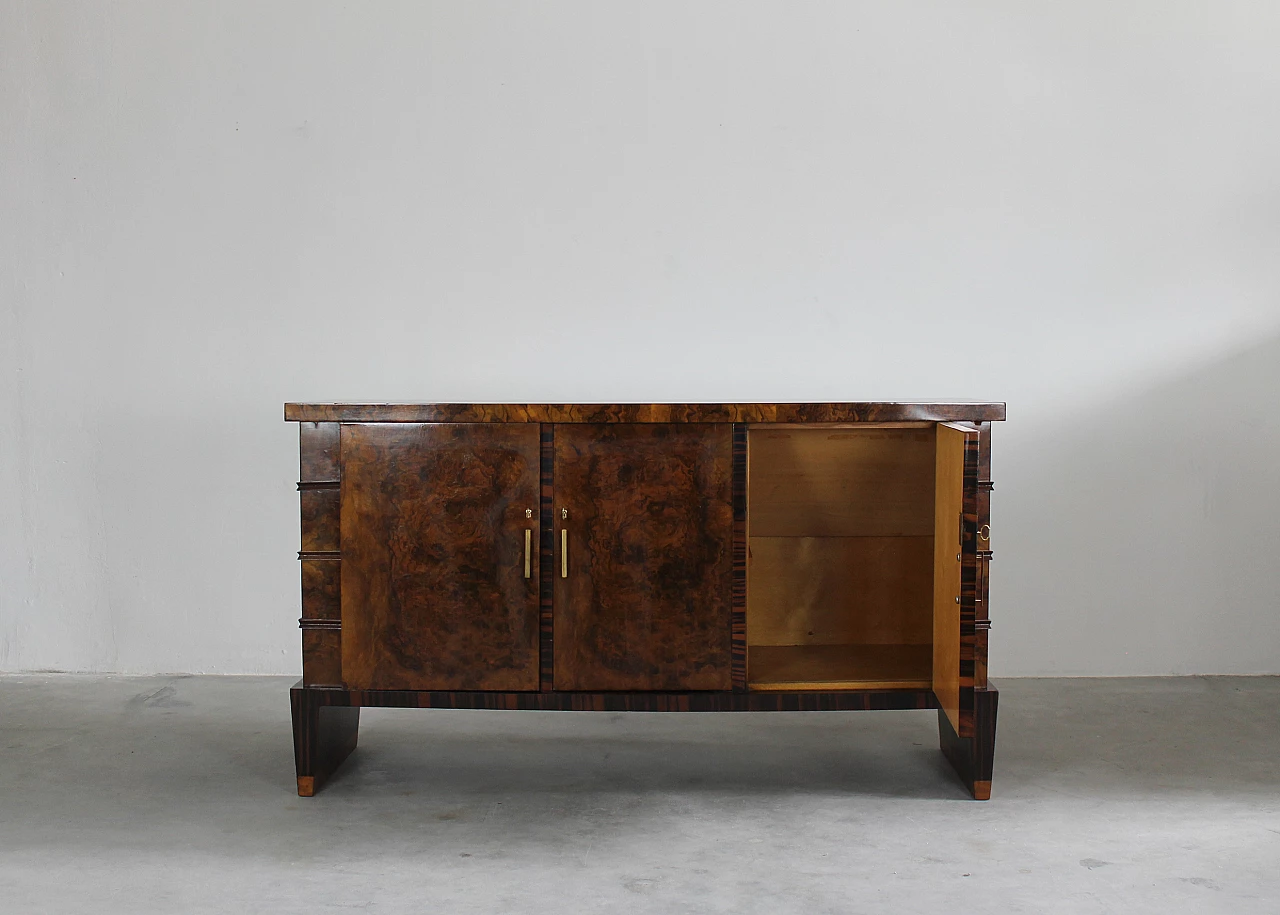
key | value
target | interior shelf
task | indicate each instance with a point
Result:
(795, 667)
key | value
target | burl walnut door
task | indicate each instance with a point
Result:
(643, 528)
(439, 556)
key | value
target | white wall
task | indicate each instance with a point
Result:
(211, 208)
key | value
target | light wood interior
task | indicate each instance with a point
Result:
(799, 667)
(817, 482)
(949, 485)
(840, 591)
(841, 525)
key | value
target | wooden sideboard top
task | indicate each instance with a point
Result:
(866, 412)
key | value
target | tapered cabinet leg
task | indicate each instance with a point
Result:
(972, 757)
(323, 736)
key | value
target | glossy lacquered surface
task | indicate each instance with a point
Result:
(852, 412)
(643, 594)
(635, 595)
(434, 594)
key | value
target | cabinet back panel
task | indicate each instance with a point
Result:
(830, 482)
(840, 590)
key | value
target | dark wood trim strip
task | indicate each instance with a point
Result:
(738, 613)
(318, 484)
(646, 413)
(305, 623)
(851, 700)
(329, 555)
(546, 571)
(982, 593)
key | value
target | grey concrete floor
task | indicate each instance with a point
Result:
(176, 795)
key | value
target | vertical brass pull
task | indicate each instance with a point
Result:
(564, 552)
(528, 545)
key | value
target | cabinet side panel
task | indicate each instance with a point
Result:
(322, 657)
(319, 469)
(982, 595)
(320, 519)
(322, 591)
(647, 599)
(434, 521)
(319, 455)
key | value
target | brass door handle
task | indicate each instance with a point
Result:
(564, 553)
(528, 545)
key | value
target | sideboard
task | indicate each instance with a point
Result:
(645, 557)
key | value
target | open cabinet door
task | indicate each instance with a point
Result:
(948, 552)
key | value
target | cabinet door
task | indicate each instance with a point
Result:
(643, 590)
(437, 589)
(953, 592)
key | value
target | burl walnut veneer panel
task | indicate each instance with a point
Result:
(318, 472)
(646, 604)
(434, 594)
(644, 413)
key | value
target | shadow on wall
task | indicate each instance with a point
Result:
(1143, 537)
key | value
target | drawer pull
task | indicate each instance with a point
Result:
(564, 552)
(528, 545)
